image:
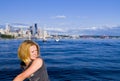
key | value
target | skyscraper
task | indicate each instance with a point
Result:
(36, 29)
(31, 30)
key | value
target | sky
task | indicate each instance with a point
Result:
(79, 17)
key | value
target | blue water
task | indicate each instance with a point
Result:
(68, 59)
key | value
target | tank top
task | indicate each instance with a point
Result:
(40, 75)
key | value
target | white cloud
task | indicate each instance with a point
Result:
(82, 17)
(55, 29)
(88, 28)
(59, 17)
(20, 26)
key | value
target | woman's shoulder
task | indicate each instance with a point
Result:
(38, 61)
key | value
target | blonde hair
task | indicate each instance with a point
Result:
(23, 50)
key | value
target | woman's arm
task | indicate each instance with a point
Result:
(37, 63)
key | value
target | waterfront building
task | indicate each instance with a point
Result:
(2, 31)
(21, 31)
(36, 28)
(31, 30)
(7, 29)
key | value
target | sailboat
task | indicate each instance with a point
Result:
(44, 39)
(57, 38)
(44, 36)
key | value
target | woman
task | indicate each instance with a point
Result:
(34, 66)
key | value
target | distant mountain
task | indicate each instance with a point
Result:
(114, 31)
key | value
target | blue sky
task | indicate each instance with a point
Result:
(65, 16)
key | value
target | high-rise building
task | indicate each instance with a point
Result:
(31, 30)
(7, 27)
(36, 29)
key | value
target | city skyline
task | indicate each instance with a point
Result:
(65, 16)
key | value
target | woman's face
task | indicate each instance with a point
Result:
(33, 52)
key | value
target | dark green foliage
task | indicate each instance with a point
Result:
(6, 36)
